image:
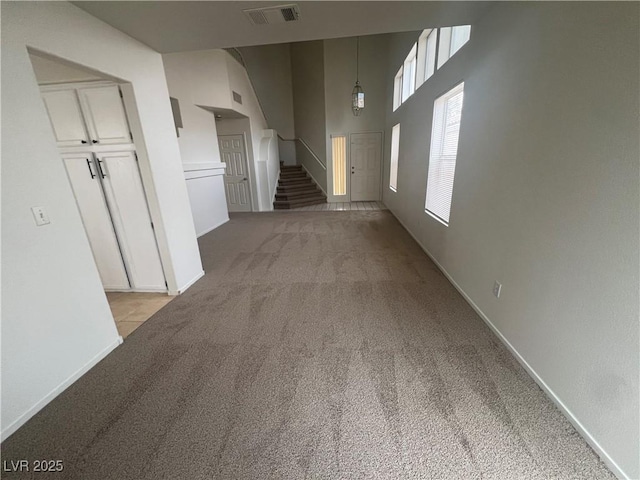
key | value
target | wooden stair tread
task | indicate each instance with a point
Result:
(296, 189)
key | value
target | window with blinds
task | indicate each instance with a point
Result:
(339, 159)
(395, 151)
(447, 114)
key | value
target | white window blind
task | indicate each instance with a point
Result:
(339, 157)
(397, 90)
(409, 74)
(447, 114)
(395, 151)
(426, 64)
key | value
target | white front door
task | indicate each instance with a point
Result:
(236, 177)
(105, 115)
(128, 204)
(83, 175)
(366, 163)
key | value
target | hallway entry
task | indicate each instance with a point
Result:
(236, 177)
(366, 165)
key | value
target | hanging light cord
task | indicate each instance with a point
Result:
(357, 59)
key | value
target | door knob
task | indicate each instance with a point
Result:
(94, 141)
(244, 179)
(83, 141)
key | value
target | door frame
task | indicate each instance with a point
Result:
(381, 144)
(246, 165)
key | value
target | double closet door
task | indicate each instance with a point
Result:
(113, 207)
(92, 132)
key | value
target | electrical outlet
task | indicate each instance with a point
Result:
(40, 216)
(497, 288)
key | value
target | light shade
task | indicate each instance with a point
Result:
(357, 99)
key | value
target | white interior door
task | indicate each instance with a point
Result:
(128, 204)
(236, 177)
(366, 163)
(83, 176)
(66, 117)
(105, 115)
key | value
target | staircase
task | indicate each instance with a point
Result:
(296, 189)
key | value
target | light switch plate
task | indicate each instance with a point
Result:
(40, 216)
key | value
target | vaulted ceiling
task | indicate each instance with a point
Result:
(175, 26)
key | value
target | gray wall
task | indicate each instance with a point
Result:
(339, 79)
(307, 60)
(269, 67)
(340, 76)
(546, 198)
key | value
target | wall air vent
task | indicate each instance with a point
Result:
(269, 15)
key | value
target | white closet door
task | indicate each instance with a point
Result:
(125, 194)
(66, 117)
(105, 115)
(83, 176)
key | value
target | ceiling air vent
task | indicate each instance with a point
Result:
(268, 15)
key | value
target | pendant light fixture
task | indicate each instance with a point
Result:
(357, 95)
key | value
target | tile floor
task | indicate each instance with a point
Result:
(130, 310)
(340, 206)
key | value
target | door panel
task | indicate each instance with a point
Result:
(236, 179)
(366, 163)
(66, 117)
(127, 201)
(96, 220)
(105, 115)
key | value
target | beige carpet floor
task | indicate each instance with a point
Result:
(319, 345)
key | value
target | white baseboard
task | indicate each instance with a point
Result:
(314, 179)
(22, 419)
(213, 228)
(135, 290)
(593, 443)
(187, 285)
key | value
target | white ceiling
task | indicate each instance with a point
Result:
(177, 26)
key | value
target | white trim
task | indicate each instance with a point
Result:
(49, 86)
(136, 290)
(435, 217)
(22, 419)
(195, 166)
(120, 147)
(314, 179)
(275, 190)
(582, 430)
(187, 285)
(213, 228)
